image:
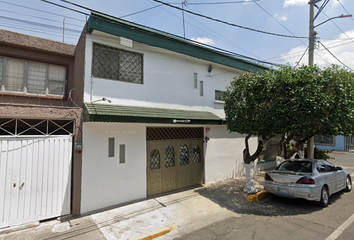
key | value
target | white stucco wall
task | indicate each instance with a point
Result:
(106, 182)
(224, 154)
(168, 80)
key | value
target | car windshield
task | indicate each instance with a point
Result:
(295, 166)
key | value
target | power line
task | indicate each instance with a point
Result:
(345, 10)
(213, 3)
(173, 35)
(34, 9)
(220, 36)
(141, 11)
(227, 23)
(335, 57)
(301, 57)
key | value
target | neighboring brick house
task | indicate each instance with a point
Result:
(40, 126)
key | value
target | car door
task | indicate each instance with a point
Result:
(339, 175)
(327, 176)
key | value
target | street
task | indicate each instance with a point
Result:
(282, 218)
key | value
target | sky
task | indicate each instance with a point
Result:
(335, 45)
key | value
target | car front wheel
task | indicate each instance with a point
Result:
(348, 184)
(324, 197)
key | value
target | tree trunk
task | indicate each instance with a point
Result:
(249, 159)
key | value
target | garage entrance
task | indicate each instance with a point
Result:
(174, 159)
(35, 170)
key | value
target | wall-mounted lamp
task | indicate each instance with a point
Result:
(206, 139)
(181, 121)
(102, 99)
(78, 147)
(210, 68)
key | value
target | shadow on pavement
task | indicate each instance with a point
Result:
(229, 194)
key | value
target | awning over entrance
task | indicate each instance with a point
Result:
(118, 113)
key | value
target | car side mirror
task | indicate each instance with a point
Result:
(339, 168)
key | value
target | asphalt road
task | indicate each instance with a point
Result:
(282, 218)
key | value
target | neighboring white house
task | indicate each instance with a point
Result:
(153, 119)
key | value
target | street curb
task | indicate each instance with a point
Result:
(256, 197)
(155, 233)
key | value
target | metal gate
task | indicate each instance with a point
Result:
(175, 161)
(35, 169)
(349, 143)
(35, 178)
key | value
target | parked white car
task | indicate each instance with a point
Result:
(314, 180)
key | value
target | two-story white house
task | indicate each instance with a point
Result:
(153, 120)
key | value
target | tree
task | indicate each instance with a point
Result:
(297, 103)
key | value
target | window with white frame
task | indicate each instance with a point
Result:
(219, 96)
(31, 77)
(116, 64)
(323, 140)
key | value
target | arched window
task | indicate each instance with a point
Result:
(197, 155)
(183, 155)
(154, 159)
(169, 156)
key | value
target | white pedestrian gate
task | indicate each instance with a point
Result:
(35, 178)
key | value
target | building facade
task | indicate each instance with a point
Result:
(154, 118)
(40, 125)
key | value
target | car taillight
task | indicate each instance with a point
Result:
(267, 177)
(306, 180)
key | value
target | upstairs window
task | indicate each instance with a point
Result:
(218, 95)
(24, 76)
(116, 64)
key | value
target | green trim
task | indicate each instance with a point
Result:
(131, 114)
(156, 38)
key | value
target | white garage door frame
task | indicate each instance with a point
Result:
(35, 178)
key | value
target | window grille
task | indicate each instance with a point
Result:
(24, 76)
(26, 127)
(154, 159)
(218, 95)
(323, 140)
(169, 156)
(113, 63)
(197, 155)
(184, 155)
(174, 133)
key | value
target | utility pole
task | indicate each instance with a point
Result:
(312, 36)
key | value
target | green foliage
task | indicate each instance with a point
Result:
(306, 101)
(322, 154)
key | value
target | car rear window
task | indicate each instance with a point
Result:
(295, 166)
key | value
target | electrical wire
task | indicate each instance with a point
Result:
(335, 56)
(213, 3)
(320, 9)
(301, 57)
(173, 35)
(345, 9)
(339, 28)
(141, 11)
(34, 9)
(227, 23)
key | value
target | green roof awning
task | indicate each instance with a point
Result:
(118, 113)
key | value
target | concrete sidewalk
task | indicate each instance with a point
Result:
(171, 216)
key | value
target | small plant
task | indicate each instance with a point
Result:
(322, 154)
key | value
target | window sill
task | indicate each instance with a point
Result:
(19, 94)
(219, 102)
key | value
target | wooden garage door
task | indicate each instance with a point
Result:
(175, 161)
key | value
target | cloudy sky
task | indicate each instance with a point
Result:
(280, 17)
